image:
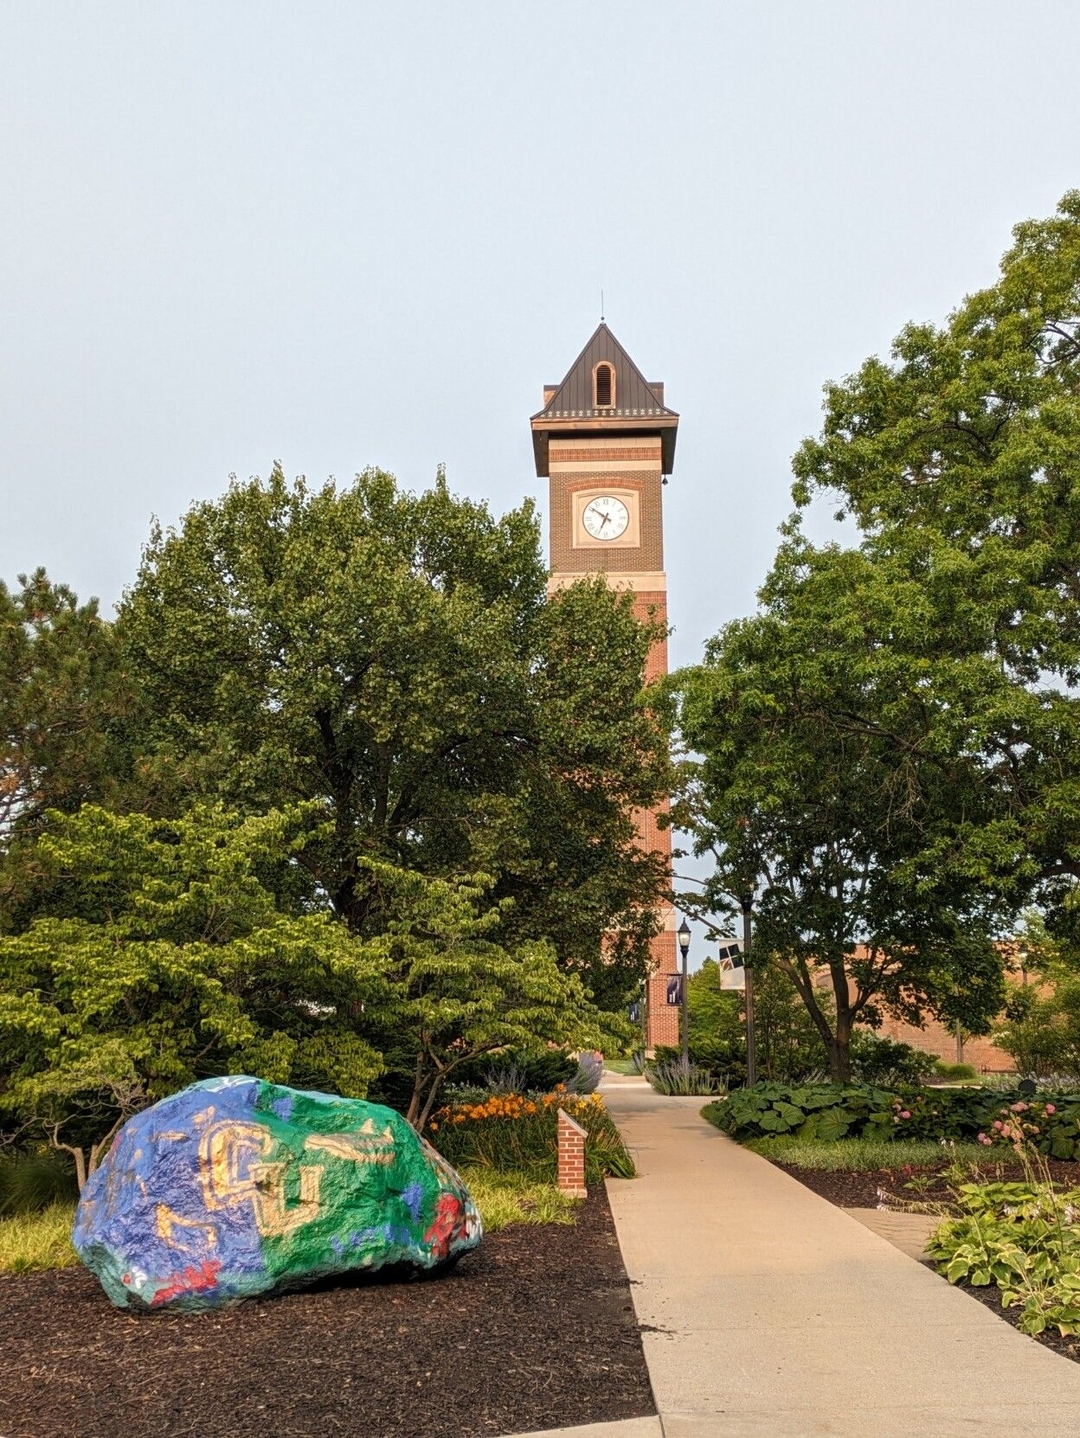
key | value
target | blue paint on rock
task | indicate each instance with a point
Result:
(235, 1187)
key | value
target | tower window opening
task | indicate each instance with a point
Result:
(604, 384)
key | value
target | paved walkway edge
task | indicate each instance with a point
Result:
(766, 1312)
(624, 1428)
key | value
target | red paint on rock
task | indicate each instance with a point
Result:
(191, 1280)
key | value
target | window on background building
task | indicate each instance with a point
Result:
(605, 386)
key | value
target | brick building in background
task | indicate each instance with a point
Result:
(941, 1040)
(605, 441)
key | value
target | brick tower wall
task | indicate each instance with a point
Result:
(626, 467)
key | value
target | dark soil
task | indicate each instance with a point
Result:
(905, 1187)
(534, 1330)
(991, 1296)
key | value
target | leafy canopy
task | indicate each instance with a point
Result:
(821, 801)
(960, 461)
(174, 951)
(62, 702)
(394, 659)
(890, 743)
(169, 959)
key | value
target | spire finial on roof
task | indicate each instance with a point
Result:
(601, 307)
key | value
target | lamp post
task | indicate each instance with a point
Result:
(748, 994)
(684, 949)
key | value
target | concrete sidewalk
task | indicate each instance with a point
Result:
(767, 1311)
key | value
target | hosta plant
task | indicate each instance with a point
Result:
(1044, 1124)
(1024, 1238)
(823, 1111)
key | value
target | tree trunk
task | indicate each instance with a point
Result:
(840, 1060)
(416, 1101)
(78, 1155)
(839, 1049)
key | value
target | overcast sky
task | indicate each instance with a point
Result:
(341, 234)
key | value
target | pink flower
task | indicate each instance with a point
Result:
(1018, 1107)
(1050, 1108)
(904, 1113)
(998, 1124)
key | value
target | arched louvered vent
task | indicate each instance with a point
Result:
(604, 386)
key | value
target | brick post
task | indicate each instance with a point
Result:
(571, 1156)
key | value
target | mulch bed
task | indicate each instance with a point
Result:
(864, 1190)
(534, 1330)
(991, 1296)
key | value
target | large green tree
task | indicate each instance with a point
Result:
(959, 459)
(824, 802)
(164, 954)
(63, 704)
(176, 949)
(890, 744)
(394, 659)
(452, 993)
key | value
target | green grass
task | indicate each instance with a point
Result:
(856, 1154)
(30, 1242)
(620, 1066)
(504, 1198)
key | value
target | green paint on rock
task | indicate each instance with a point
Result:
(235, 1187)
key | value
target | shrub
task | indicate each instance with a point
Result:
(789, 1048)
(825, 1111)
(32, 1181)
(1023, 1237)
(673, 1077)
(590, 1070)
(1035, 1122)
(887, 1064)
(1050, 1124)
(1041, 1030)
(533, 1073)
(514, 1132)
(723, 1063)
(956, 1073)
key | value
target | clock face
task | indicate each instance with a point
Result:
(605, 517)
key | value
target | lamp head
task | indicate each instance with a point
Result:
(683, 933)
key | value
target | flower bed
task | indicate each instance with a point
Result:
(1048, 1124)
(1022, 1238)
(518, 1132)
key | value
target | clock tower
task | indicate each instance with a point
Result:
(605, 441)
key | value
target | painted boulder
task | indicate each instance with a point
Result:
(235, 1187)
